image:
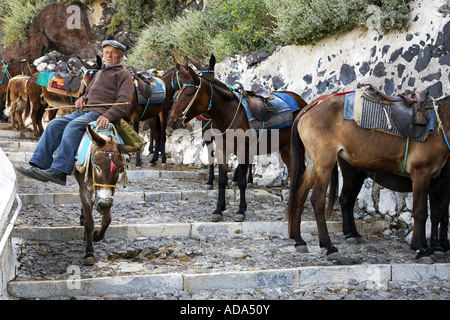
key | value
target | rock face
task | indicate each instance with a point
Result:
(58, 27)
(396, 62)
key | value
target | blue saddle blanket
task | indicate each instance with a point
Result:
(158, 93)
(284, 105)
(84, 148)
(43, 78)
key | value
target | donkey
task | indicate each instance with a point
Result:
(11, 70)
(39, 98)
(321, 134)
(97, 186)
(17, 91)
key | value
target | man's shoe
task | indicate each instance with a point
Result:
(53, 175)
(31, 172)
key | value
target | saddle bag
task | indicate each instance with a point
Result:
(64, 85)
(128, 135)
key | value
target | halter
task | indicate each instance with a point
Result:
(112, 168)
(178, 81)
(183, 118)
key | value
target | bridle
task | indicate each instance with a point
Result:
(185, 111)
(185, 85)
(112, 168)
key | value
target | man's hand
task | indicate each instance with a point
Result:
(79, 103)
(102, 122)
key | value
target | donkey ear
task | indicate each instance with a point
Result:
(126, 149)
(212, 62)
(194, 75)
(196, 64)
(95, 137)
(99, 62)
(175, 62)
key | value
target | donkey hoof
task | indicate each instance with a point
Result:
(239, 217)
(216, 217)
(301, 248)
(96, 237)
(339, 259)
(208, 187)
(354, 240)
(89, 260)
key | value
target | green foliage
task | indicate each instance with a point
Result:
(245, 26)
(154, 48)
(18, 16)
(166, 10)
(228, 27)
(134, 13)
(224, 27)
(310, 21)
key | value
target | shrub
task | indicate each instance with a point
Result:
(154, 48)
(304, 21)
(245, 26)
(133, 13)
(19, 15)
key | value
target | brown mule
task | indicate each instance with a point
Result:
(321, 134)
(231, 132)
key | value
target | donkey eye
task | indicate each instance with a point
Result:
(97, 169)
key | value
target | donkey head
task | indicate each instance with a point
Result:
(107, 165)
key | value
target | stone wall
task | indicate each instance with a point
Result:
(397, 62)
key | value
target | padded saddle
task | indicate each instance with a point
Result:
(144, 80)
(259, 102)
(408, 111)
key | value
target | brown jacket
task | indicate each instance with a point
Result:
(112, 84)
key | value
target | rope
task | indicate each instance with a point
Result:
(201, 128)
(406, 155)
(440, 126)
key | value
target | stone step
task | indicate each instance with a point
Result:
(195, 229)
(301, 277)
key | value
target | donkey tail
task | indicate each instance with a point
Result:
(296, 172)
(333, 190)
(8, 96)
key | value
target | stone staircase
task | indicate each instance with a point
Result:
(160, 240)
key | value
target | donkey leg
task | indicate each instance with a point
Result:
(89, 233)
(210, 182)
(443, 232)
(435, 216)
(318, 200)
(106, 220)
(136, 128)
(353, 180)
(217, 214)
(242, 182)
(299, 195)
(420, 214)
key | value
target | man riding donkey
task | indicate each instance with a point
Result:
(106, 100)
